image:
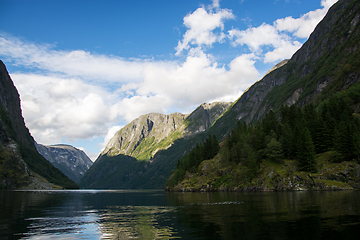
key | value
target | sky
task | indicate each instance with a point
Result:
(85, 69)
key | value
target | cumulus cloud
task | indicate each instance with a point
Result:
(183, 86)
(58, 106)
(55, 108)
(278, 41)
(201, 25)
(302, 27)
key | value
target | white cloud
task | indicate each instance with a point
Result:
(282, 51)
(280, 40)
(257, 37)
(76, 63)
(266, 35)
(55, 108)
(110, 133)
(201, 25)
(302, 27)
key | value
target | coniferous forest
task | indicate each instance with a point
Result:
(289, 133)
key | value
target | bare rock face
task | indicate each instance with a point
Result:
(205, 115)
(71, 161)
(152, 127)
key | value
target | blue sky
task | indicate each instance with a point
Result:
(84, 69)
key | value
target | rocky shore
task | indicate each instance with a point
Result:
(212, 175)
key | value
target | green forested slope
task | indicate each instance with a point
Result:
(302, 148)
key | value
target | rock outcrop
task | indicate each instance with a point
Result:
(71, 161)
(204, 116)
(146, 130)
(213, 175)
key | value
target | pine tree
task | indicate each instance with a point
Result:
(274, 150)
(287, 142)
(305, 152)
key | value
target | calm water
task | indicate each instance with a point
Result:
(161, 215)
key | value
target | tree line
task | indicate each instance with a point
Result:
(292, 132)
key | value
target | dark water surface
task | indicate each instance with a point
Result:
(87, 214)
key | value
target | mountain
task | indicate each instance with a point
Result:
(71, 161)
(303, 120)
(20, 163)
(132, 152)
(328, 63)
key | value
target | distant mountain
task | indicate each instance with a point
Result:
(20, 163)
(71, 161)
(326, 64)
(130, 153)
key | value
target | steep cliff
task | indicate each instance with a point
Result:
(71, 161)
(20, 164)
(327, 63)
(138, 138)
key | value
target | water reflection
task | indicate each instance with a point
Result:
(160, 215)
(271, 215)
(143, 222)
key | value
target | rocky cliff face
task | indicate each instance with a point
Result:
(143, 132)
(71, 161)
(10, 103)
(205, 115)
(20, 164)
(150, 133)
(326, 63)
